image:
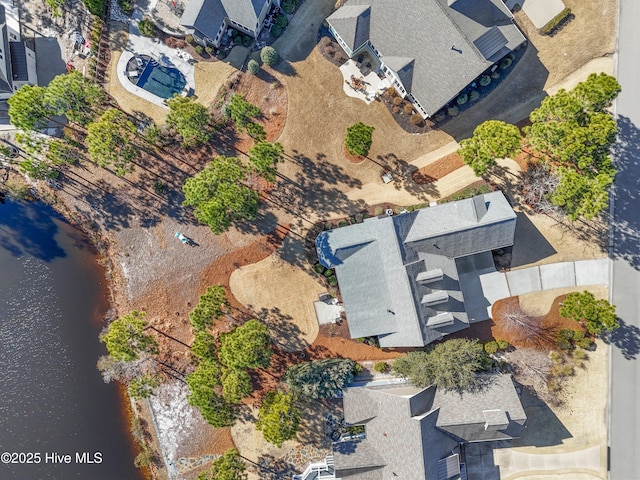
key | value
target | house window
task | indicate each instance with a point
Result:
(12, 36)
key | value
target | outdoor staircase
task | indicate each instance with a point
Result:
(318, 471)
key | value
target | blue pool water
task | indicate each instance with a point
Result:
(162, 81)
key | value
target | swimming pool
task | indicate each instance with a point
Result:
(162, 81)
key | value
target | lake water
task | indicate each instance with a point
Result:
(53, 402)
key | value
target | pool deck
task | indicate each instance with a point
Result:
(169, 57)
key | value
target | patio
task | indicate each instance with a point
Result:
(358, 85)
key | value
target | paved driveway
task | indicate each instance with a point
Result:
(624, 423)
(499, 285)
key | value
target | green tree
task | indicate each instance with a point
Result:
(597, 315)
(264, 158)
(212, 305)
(111, 141)
(451, 365)
(278, 418)
(358, 140)
(256, 131)
(219, 195)
(143, 386)
(580, 195)
(204, 346)
(253, 67)
(27, 108)
(241, 111)
(320, 378)
(125, 338)
(191, 120)
(574, 133)
(75, 96)
(248, 346)
(56, 6)
(203, 384)
(147, 28)
(269, 56)
(491, 140)
(236, 384)
(230, 466)
(96, 7)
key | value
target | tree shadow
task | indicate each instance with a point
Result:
(286, 68)
(544, 428)
(626, 338)
(525, 81)
(529, 245)
(30, 229)
(284, 331)
(402, 172)
(626, 221)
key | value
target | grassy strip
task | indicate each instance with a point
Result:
(557, 21)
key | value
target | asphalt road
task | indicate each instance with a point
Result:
(624, 427)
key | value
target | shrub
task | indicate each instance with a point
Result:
(282, 21)
(209, 49)
(578, 354)
(289, 6)
(585, 343)
(329, 273)
(453, 111)
(491, 347)
(391, 91)
(189, 39)
(325, 41)
(578, 335)
(247, 40)
(199, 49)
(495, 75)
(320, 378)
(396, 109)
(563, 343)
(381, 367)
(253, 67)
(416, 119)
(462, 99)
(397, 101)
(484, 80)
(358, 139)
(556, 22)
(269, 56)
(319, 268)
(147, 28)
(505, 63)
(96, 7)
(408, 108)
(276, 31)
(332, 281)
(502, 344)
(474, 95)
(565, 333)
(329, 50)
(357, 369)
(342, 223)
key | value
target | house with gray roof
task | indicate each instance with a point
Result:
(208, 20)
(429, 49)
(17, 60)
(416, 433)
(412, 278)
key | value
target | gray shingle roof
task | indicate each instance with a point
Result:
(5, 63)
(466, 415)
(353, 22)
(379, 266)
(440, 38)
(207, 15)
(407, 428)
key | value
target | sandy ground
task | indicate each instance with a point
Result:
(539, 303)
(581, 421)
(286, 302)
(590, 34)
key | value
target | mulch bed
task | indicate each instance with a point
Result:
(438, 169)
(495, 328)
(352, 158)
